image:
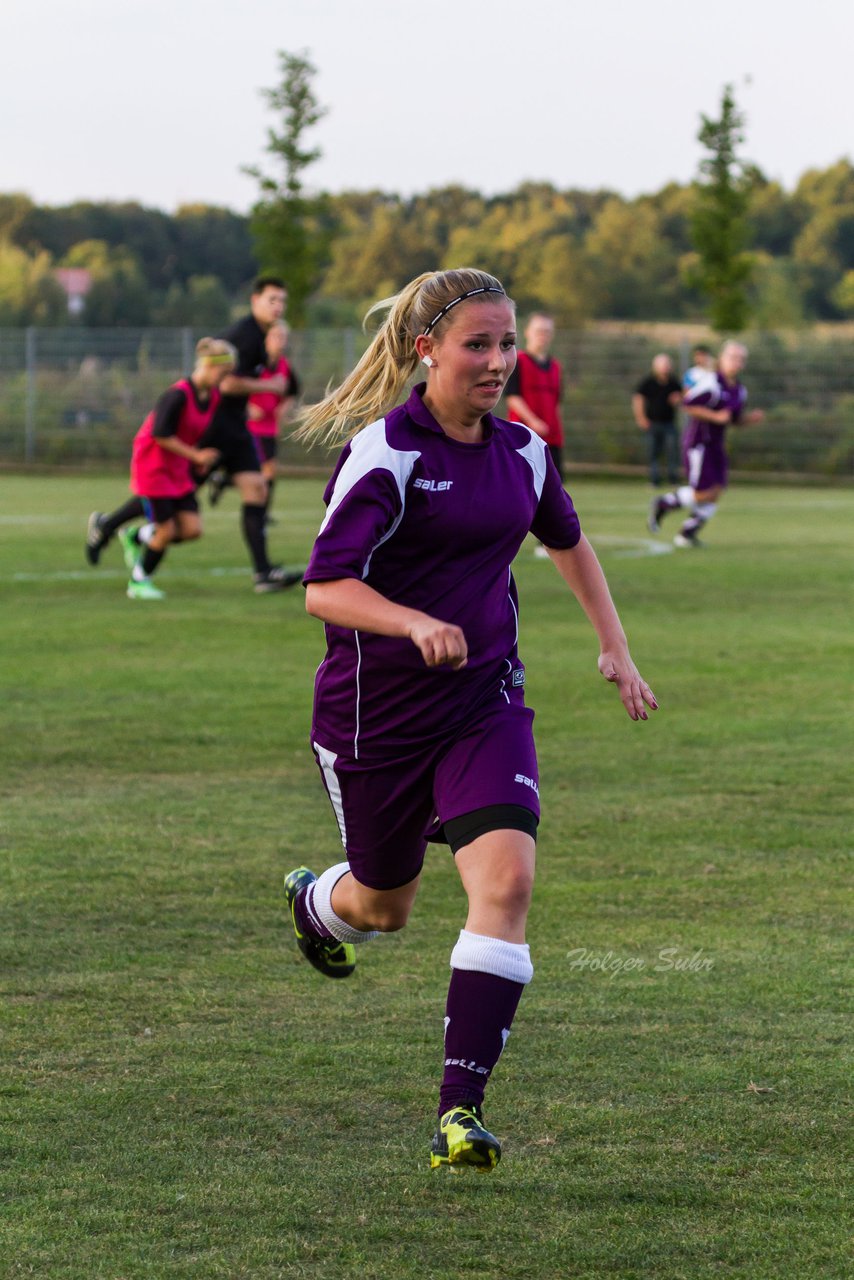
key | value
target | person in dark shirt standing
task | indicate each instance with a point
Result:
(229, 434)
(654, 405)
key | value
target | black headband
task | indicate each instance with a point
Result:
(489, 288)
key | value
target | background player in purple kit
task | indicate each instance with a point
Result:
(714, 401)
(420, 726)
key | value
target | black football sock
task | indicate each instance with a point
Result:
(149, 560)
(130, 510)
(252, 519)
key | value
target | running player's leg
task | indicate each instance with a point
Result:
(239, 456)
(102, 526)
(269, 470)
(488, 784)
(140, 586)
(707, 475)
(383, 810)
(252, 488)
(188, 520)
(683, 496)
(705, 506)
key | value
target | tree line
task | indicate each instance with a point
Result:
(581, 255)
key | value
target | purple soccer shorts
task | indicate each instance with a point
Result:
(388, 810)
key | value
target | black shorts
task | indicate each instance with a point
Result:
(268, 446)
(236, 447)
(159, 510)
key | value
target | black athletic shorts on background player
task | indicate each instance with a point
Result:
(236, 445)
(162, 509)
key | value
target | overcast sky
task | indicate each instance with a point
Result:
(158, 100)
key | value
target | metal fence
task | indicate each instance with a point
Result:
(76, 396)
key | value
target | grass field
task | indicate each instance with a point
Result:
(182, 1096)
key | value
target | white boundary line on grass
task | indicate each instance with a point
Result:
(621, 548)
(633, 548)
(93, 575)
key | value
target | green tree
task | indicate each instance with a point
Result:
(631, 261)
(719, 226)
(843, 294)
(214, 241)
(29, 291)
(777, 301)
(204, 304)
(288, 224)
(15, 208)
(119, 293)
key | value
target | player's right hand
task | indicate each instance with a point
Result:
(439, 643)
(206, 458)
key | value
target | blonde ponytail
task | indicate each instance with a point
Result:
(376, 383)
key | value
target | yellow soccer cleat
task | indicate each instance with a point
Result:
(461, 1141)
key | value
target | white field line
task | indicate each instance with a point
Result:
(93, 574)
(632, 548)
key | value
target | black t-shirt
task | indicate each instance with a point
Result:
(655, 398)
(247, 337)
(170, 406)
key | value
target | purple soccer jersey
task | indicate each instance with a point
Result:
(704, 443)
(433, 524)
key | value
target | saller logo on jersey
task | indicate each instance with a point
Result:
(527, 782)
(436, 486)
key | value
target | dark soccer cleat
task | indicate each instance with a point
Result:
(333, 958)
(96, 538)
(657, 509)
(461, 1141)
(277, 578)
(218, 482)
(684, 540)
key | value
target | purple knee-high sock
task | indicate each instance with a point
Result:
(488, 977)
(478, 1017)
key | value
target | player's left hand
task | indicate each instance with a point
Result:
(617, 667)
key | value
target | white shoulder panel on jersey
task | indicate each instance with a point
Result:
(706, 383)
(534, 453)
(370, 451)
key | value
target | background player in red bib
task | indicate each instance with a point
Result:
(535, 387)
(268, 411)
(165, 463)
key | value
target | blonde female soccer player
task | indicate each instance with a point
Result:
(420, 726)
